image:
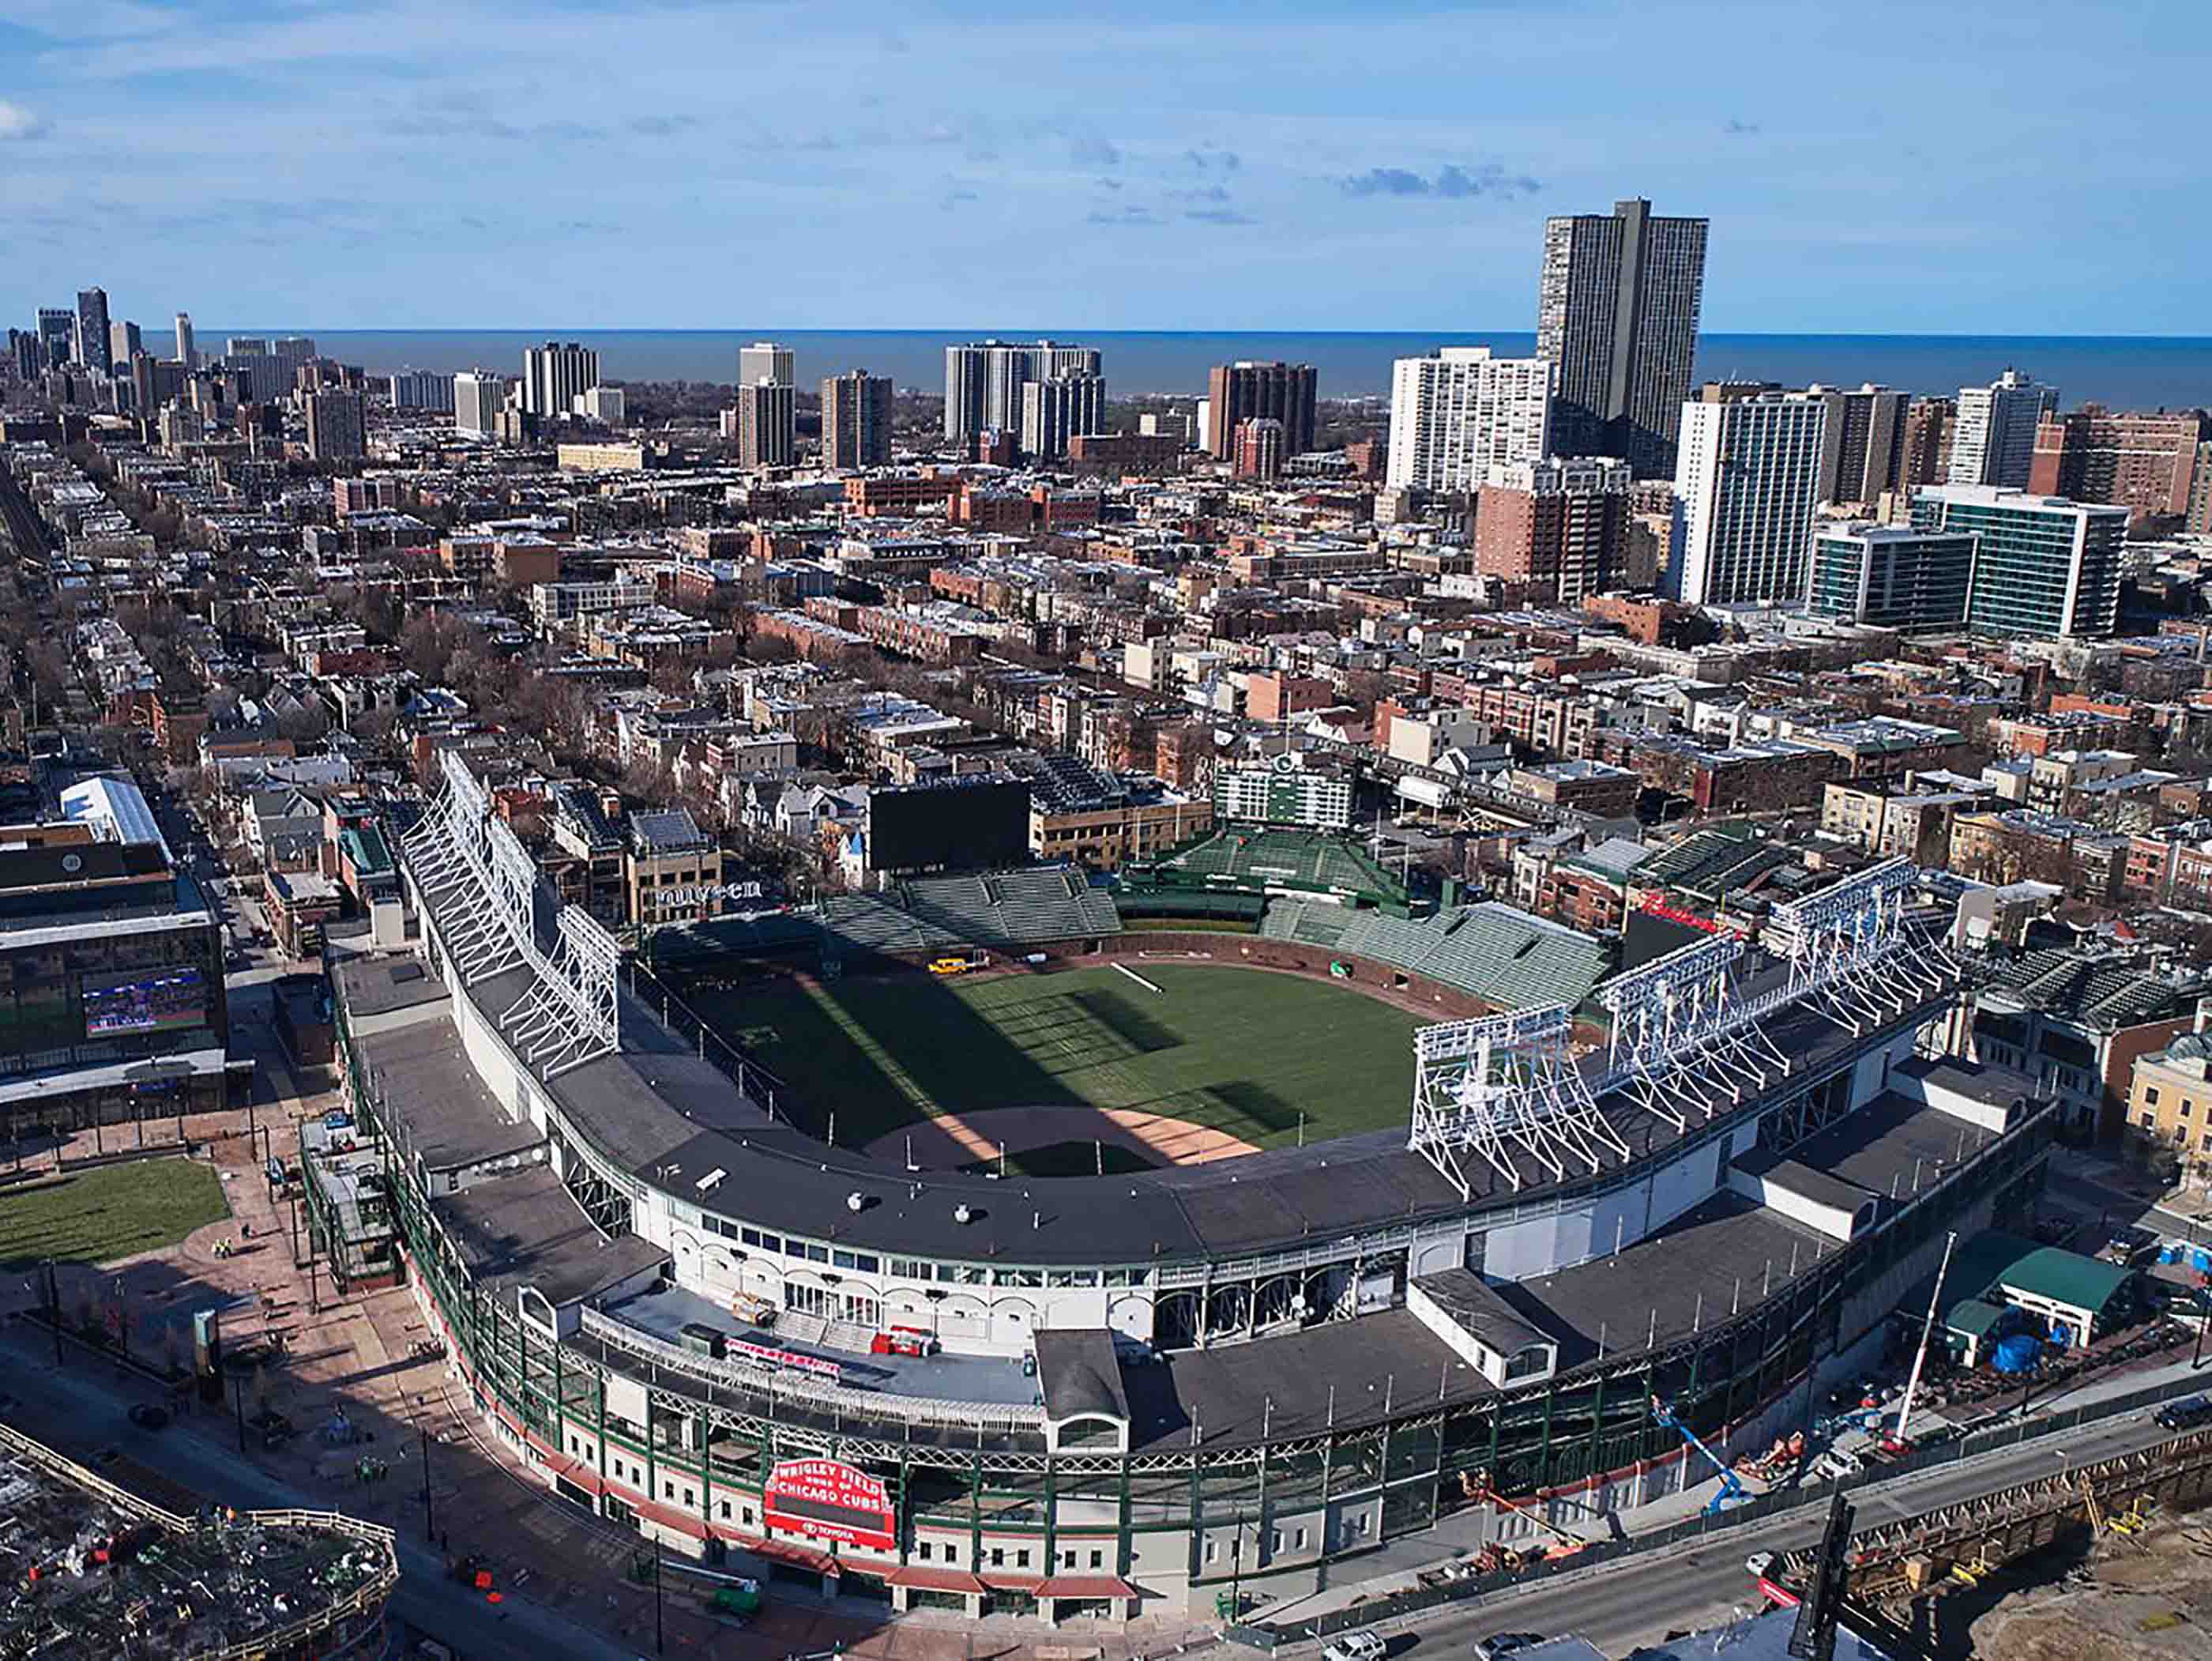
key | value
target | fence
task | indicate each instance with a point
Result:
(1397, 1605)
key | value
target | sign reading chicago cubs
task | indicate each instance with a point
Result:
(829, 1499)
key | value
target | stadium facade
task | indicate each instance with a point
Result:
(1084, 1396)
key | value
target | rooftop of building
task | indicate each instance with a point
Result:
(2096, 989)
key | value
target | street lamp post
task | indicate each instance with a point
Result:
(659, 1638)
(238, 1393)
(429, 1529)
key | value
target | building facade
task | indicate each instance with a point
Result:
(1560, 526)
(1057, 410)
(1617, 310)
(2144, 463)
(2044, 568)
(984, 381)
(766, 361)
(337, 429)
(478, 397)
(1238, 392)
(856, 420)
(1862, 449)
(1456, 415)
(1994, 443)
(768, 429)
(1746, 484)
(1892, 576)
(554, 375)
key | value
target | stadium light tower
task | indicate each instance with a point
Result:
(1503, 1087)
(1854, 952)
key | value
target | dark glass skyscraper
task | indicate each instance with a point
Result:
(1618, 312)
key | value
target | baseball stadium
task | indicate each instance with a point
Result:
(972, 1244)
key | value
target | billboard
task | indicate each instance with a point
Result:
(961, 825)
(1283, 792)
(828, 1500)
(160, 1000)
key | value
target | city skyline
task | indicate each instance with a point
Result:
(1012, 207)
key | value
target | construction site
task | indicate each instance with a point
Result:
(2107, 1562)
(93, 1573)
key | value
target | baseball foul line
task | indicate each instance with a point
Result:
(951, 1140)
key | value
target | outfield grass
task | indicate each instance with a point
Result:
(115, 1211)
(1237, 1049)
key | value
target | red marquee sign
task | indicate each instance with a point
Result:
(829, 1499)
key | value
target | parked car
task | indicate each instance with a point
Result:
(1500, 1645)
(1359, 1645)
(147, 1415)
(2187, 1413)
(1835, 1465)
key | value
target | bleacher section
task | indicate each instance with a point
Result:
(1004, 909)
(1248, 861)
(1502, 955)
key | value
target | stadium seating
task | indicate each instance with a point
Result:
(1503, 957)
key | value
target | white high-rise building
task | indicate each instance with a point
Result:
(1456, 416)
(1994, 443)
(1746, 481)
(187, 354)
(600, 404)
(554, 375)
(478, 397)
(983, 381)
(1059, 408)
(766, 361)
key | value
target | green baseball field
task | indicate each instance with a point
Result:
(1240, 1050)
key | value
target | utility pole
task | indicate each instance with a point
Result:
(54, 1309)
(429, 1529)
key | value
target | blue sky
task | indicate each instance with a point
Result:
(1968, 166)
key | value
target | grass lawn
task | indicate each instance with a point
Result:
(1239, 1049)
(115, 1211)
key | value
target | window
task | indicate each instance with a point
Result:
(1213, 1551)
(749, 1516)
(998, 1557)
(844, 1260)
(1068, 1560)
(689, 1499)
(1275, 1543)
(1022, 1558)
(952, 1552)
(923, 1550)
(1298, 1539)
(726, 1510)
(667, 1489)
(2150, 1121)
(2187, 1107)
(1097, 1560)
(2150, 1096)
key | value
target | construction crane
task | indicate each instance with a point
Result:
(1730, 1488)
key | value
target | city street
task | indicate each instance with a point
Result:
(1643, 1599)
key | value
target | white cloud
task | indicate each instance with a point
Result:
(16, 122)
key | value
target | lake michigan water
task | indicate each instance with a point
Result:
(2123, 371)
